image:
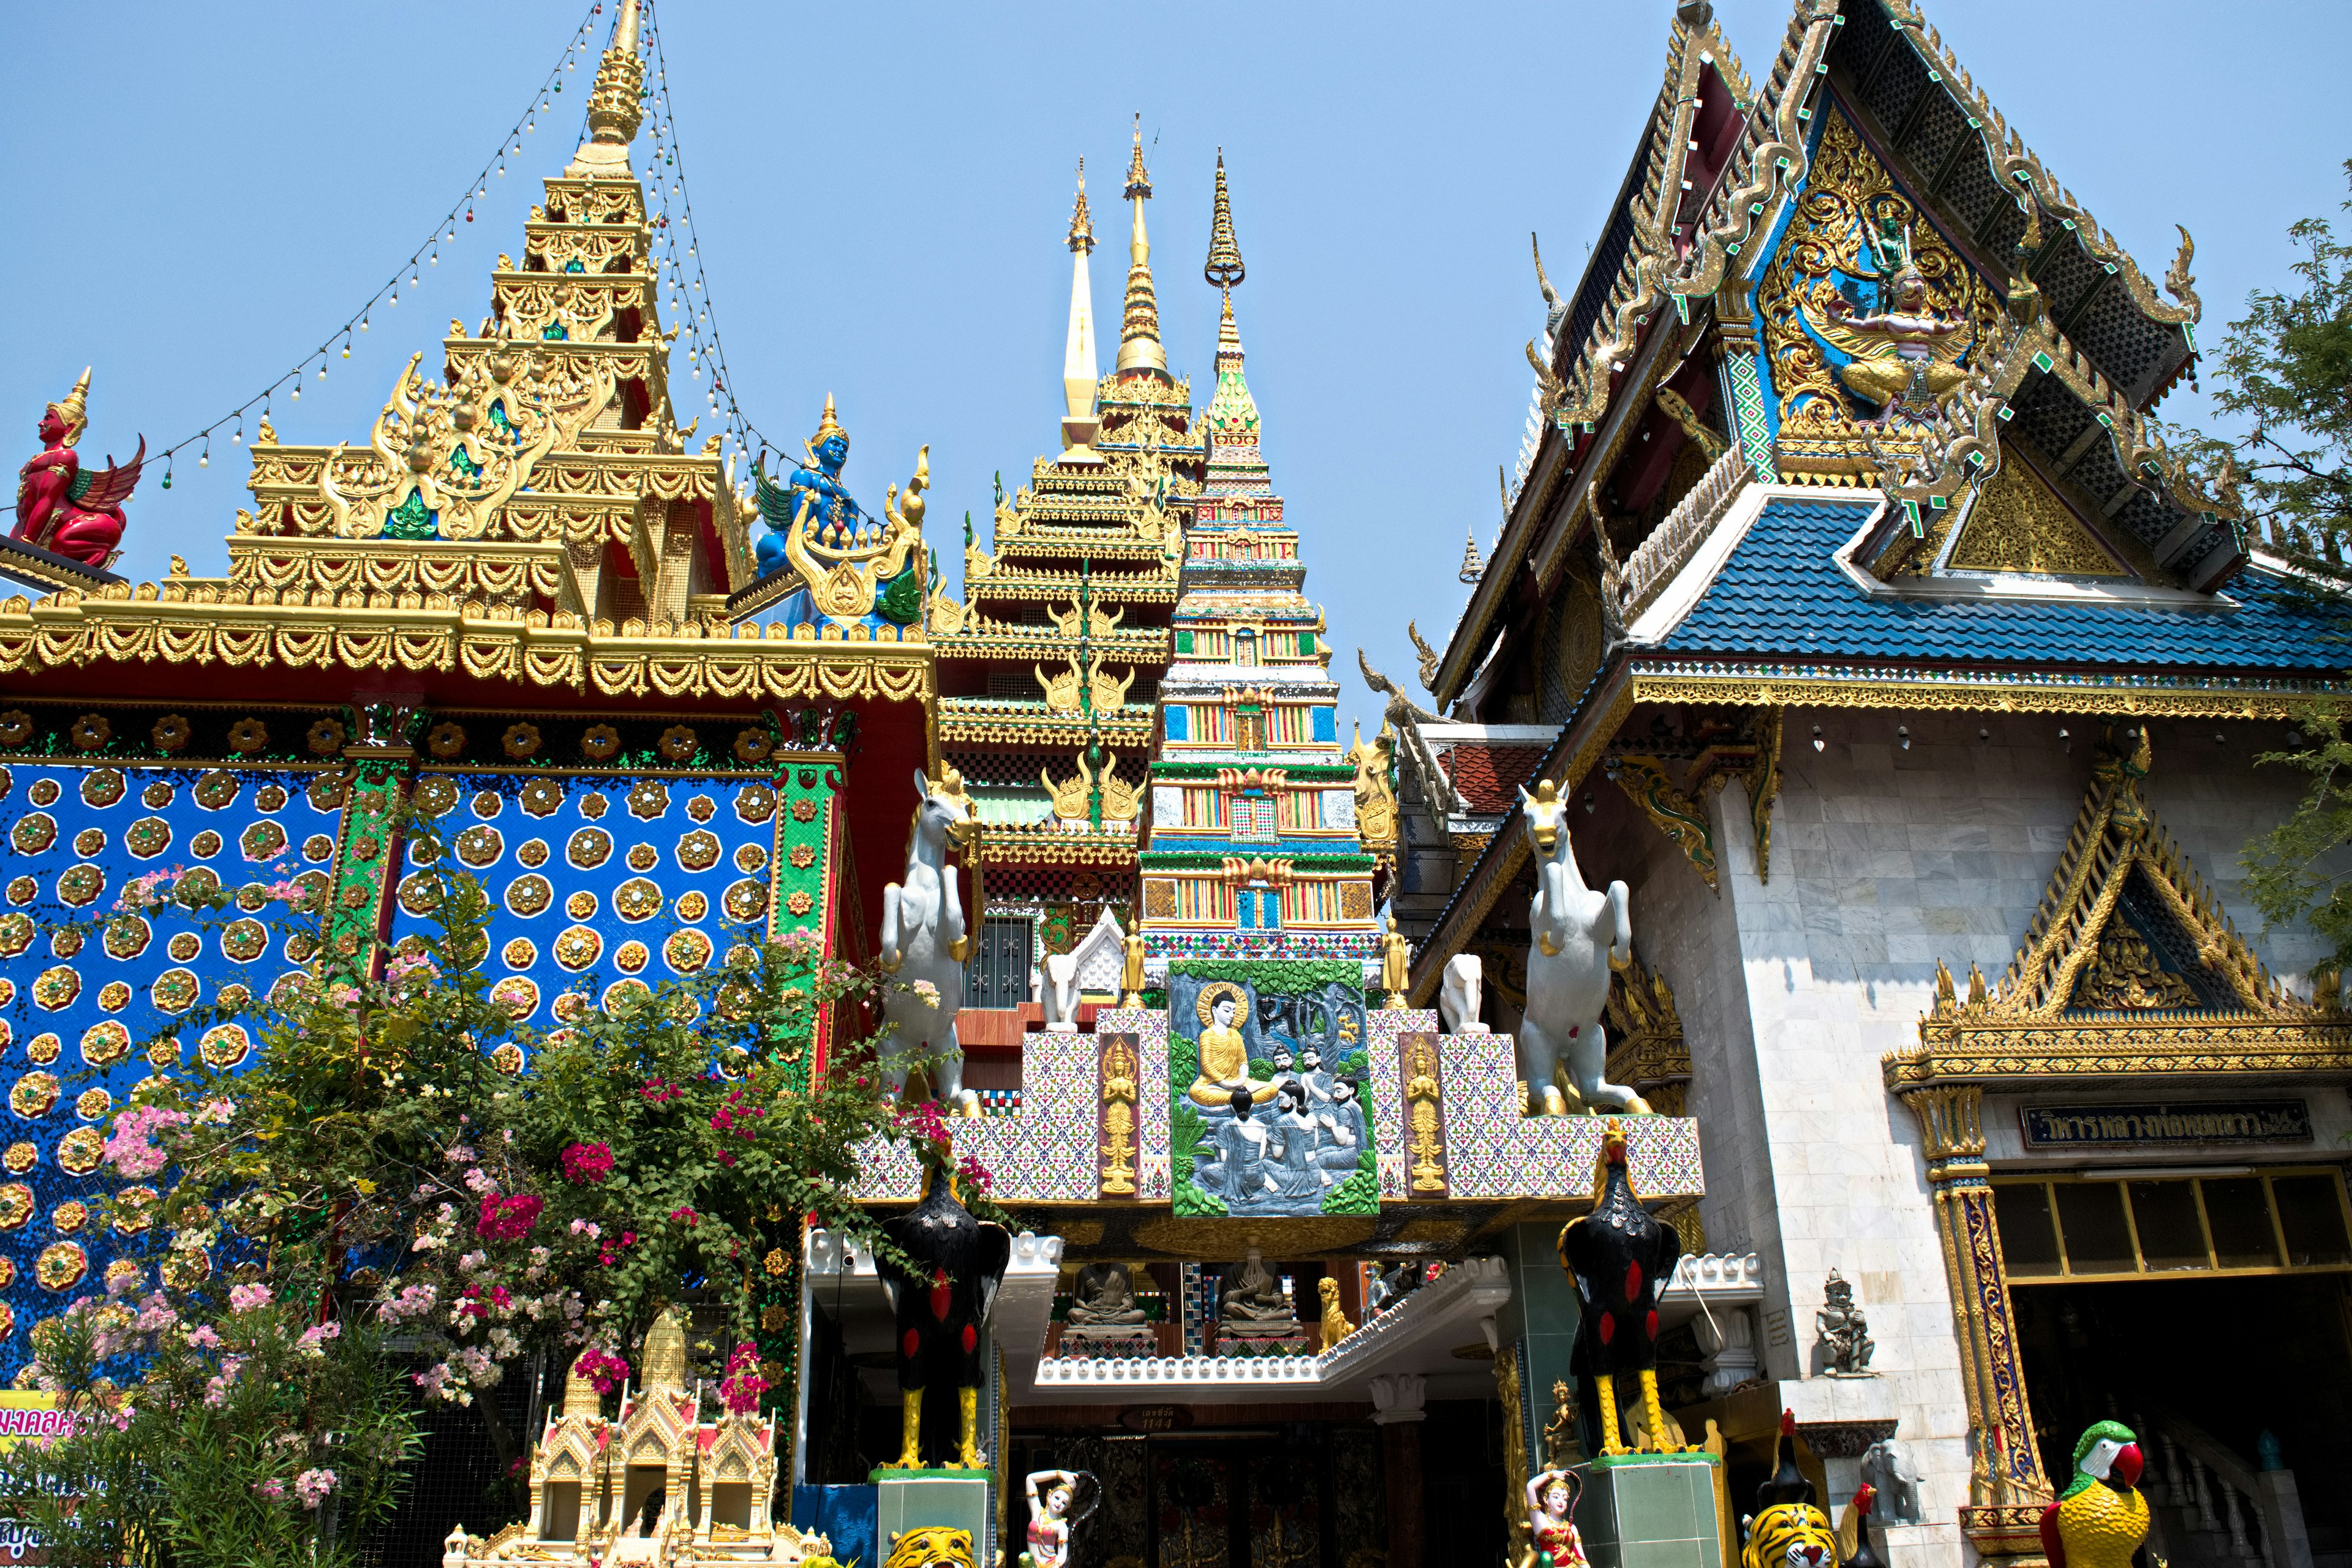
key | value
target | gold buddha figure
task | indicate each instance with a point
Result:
(1225, 1054)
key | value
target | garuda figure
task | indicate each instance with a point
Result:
(61, 507)
(942, 1308)
(838, 519)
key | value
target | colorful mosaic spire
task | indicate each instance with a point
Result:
(1138, 340)
(1252, 846)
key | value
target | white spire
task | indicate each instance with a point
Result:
(1079, 372)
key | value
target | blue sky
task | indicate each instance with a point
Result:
(204, 192)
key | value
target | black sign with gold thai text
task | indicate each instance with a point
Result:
(2211, 1121)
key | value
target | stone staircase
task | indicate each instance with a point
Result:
(2211, 1508)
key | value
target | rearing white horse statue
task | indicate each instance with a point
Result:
(924, 940)
(1580, 936)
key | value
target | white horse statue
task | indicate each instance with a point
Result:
(924, 944)
(1580, 936)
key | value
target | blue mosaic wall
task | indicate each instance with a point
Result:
(83, 995)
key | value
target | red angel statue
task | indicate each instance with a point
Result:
(60, 507)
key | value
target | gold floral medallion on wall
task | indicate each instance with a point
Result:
(755, 803)
(698, 851)
(636, 899)
(589, 848)
(80, 1151)
(578, 947)
(16, 1205)
(105, 1042)
(62, 1266)
(225, 1046)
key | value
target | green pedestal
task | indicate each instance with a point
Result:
(1651, 1510)
(924, 1500)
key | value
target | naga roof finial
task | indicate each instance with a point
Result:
(1223, 270)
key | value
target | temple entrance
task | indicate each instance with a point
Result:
(1306, 1494)
(2232, 1384)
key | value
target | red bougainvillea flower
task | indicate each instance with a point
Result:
(506, 1219)
(585, 1164)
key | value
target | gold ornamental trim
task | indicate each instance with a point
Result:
(1028, 845)
(677, 659)
(1918, 691)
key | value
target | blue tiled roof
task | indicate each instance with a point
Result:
(1783, 594)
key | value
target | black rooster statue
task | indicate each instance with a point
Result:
(942, 1308)
(1621, 1257)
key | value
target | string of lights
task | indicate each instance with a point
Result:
(704, 346)
(425, 257)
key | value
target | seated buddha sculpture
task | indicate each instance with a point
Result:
(1224, 1053)
(1253, 1293)
(1105, 1296)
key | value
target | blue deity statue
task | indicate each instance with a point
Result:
(838, 519)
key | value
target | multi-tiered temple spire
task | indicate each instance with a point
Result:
(1139, 337)
(616, 103)
(1079, 372)
(1255, 844)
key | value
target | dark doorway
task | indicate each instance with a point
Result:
(2232, 1357)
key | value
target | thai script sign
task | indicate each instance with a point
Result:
(2210, 1122)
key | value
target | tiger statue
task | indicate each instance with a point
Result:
(932, 1546)
(1786, 1531)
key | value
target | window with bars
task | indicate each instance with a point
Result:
(997, 975)
(1251, 819)
(2134, 1225)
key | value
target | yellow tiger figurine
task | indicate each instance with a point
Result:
(932, 1546)
(1786, 1531)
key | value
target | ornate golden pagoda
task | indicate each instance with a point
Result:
(1050, 667)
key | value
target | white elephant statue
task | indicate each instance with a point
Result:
(1580, 936)
(1061, 992)
(1458, 995)
(924, 944)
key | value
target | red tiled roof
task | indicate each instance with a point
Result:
(1489, 776)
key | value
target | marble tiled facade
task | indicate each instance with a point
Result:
(1882, 860)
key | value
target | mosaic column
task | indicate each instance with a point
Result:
(379, 763)
(1740, 383)
(2007, 1489)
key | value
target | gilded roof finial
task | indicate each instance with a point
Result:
(1473, 567)
(73, 411)
(1082, 223)
(615, 101)
(1224, 268)
(1139, 337)
(827, 428)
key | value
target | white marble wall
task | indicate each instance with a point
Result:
(1884, 859)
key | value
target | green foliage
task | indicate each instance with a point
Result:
(373, 1171)
(1276, 976)
(2285, 373)
(2297, 873)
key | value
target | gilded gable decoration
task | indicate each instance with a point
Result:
(2018, 524)
(2129, 967)
(1646, 1048)
(1868, 316)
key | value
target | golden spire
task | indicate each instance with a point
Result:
(1139, 338)
(665, 1353)
(75, 409)
(827, 428)
(1080, 374)
(615, 101)
(1082, 223)
(1224, 266)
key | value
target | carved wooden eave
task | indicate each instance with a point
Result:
(2020, 171)
(1676, 254)
(2195, 999)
